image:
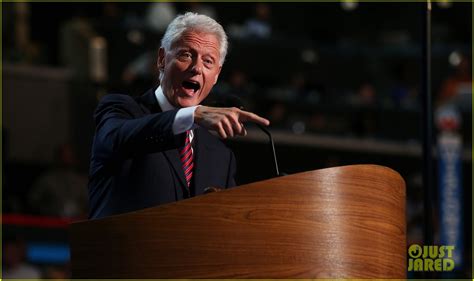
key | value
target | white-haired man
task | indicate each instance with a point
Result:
(156, 148)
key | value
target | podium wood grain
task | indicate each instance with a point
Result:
(346, 222)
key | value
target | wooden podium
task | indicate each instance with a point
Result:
(346, 222)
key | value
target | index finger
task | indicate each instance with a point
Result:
(249, 116)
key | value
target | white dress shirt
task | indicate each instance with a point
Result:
(184, 119)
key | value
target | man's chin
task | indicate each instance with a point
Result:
(187, 102)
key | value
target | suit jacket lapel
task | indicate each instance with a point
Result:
(173, 158)
(150, 104)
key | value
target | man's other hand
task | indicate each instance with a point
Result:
(227, 122)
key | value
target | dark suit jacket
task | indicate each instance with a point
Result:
(135, 161)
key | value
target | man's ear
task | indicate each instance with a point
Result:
(217, 76)
(160, 63)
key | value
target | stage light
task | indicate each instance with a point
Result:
(348, 5)
(309, 56)
(136, 37)
(455, 58)
(444, 4)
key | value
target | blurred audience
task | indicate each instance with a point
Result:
(239, 86)
(259, 26)
(140, 71)
(159, 15)
(202, 8)
(62, 190)
(57, 272)
(403, 94)
(456, 90)
(18, 44)
(256, 27)
(365, 96)
(74, 39)
(14, 261)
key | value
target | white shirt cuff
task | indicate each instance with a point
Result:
(184, 120)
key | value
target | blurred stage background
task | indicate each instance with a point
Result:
(340, 83)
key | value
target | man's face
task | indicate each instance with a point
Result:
(190, 69)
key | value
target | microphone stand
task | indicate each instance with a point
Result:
(235, 101)
(273, 148)
(211, 189)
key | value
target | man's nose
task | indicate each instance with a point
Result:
(196, 68)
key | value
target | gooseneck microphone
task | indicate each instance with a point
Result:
(273, 147)
(234, 101)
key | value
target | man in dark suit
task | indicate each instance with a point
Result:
(156, 148)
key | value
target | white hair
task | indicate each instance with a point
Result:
(195, 22)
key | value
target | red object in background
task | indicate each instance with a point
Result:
(35, 221)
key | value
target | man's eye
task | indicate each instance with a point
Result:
(185, 55)
(208, 62)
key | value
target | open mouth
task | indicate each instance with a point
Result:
(191, 85)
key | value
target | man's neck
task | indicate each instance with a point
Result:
(163, 100)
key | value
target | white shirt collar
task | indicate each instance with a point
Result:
(163, 100)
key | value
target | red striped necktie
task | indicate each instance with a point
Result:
(186, 155)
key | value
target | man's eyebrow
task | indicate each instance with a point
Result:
(210, 56)
(182, 50)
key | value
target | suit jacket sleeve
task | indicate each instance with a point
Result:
(124, 130)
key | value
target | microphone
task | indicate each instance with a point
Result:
(235, 101)
(273, 148)
(211, 189)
